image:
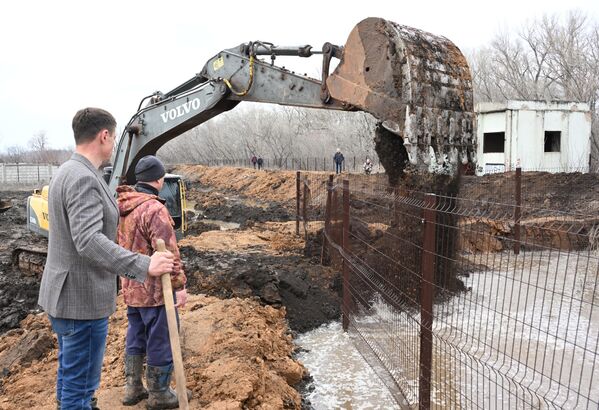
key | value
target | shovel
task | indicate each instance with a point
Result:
(173, 333)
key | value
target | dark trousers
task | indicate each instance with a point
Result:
(338, 167)
(147, 334)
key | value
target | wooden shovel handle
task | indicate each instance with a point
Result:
(173, 333)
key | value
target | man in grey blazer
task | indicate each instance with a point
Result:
(78, 289)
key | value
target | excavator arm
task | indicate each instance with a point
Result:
(231, 76)
(416, 84)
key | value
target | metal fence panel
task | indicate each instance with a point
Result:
(500, 326)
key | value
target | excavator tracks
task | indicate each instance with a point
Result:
(30, 261)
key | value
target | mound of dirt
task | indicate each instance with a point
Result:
(265, 261)
(237, 354)
(232, 207)
(566, 192)
(258, 189)
(308, 292)
(272, 185)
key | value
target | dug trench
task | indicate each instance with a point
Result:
(263, 257)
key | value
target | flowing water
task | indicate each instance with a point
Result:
(342, 379)
(524, 336)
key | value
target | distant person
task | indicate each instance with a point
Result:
(254, 160)
(260, 162)
(144, 219)
(338, 160)
(78, 288)
(367, 166)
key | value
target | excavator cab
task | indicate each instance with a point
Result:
(173, 192)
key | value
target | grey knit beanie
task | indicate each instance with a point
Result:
(149, 169)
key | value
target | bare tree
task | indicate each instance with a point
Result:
(38, 144)
(551, 58)
(15, 154)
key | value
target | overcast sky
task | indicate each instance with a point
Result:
(59, 56)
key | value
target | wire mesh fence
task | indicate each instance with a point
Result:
(460, 302)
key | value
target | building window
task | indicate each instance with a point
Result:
(494, 142)
(553, 141)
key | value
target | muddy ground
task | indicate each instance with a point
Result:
(260, 269)
(18, 292)
(574, 193)
(237, 354)
(265, 261)
(254, 285)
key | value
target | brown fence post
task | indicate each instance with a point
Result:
(297, 201)
(345, 244)
(327, 218)
(334, 217)
(395, 207)
(305, 209)
(426, 302)
(517, 211)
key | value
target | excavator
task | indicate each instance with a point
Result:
(416, 84)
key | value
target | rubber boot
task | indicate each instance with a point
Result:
(134, 388)
(161, 396)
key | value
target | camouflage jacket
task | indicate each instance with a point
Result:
(143, 220)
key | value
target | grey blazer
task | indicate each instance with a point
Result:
(79, 279)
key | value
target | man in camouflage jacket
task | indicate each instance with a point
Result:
(143, 220)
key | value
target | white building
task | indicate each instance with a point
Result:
(537, 135)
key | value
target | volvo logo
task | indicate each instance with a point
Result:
(180, 110)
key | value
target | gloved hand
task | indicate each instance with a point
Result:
(181, 296)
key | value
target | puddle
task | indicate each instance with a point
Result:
(224, 226)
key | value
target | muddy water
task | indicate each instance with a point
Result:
(223, 225)
(199, 216)
(342, 379)
(529, 330)
(525, 335)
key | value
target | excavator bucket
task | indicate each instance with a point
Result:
(417, 84)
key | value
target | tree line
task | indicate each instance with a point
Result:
(37, 151)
